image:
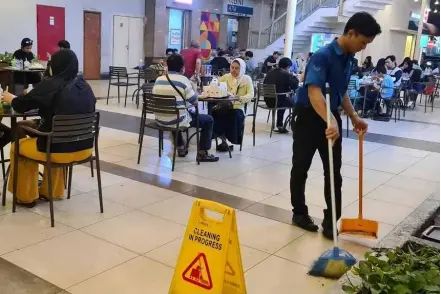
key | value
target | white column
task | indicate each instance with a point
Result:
(417, 51)
(272, 22)
(289, 27)
(260, 24)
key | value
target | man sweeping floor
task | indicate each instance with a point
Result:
(328, 71)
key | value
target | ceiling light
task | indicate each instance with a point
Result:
(435, 11)
(437, 2)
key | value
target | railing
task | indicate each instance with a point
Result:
(273, 32)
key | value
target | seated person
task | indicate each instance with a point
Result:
(284, 82)
(250, 62)
(386, 93)
(355, 77)
(270, 62)
(229, 120)
(64, 93)
(367, 66)
(393, 70)
(25, 54)
(185, 97)
(63, 44)
(380, 63)
(220, 63)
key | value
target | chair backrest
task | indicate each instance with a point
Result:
(117, 71)
(148, 74)
(147, 88)
(163, 104)
(267, 91)
(74, 128)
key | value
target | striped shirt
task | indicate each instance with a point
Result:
(163, 87)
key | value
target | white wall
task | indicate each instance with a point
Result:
(395, 16)
(19, 18)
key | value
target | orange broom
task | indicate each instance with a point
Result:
(360, 227)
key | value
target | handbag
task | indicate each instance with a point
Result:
(223, 107)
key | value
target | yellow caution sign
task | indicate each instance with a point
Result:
(210, 260)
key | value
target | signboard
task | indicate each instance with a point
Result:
(320, 40)
(175, 37)
(238, 7)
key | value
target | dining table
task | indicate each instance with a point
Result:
(21, 70)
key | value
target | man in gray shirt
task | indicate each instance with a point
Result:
(250, 62)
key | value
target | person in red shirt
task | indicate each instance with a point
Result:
(192, 60)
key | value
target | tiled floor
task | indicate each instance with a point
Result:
(133, 246)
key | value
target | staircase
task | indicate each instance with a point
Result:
(312, 16)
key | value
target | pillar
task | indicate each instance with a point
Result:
(289, 27)
(417, 51)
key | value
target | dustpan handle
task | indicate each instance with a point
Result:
(360, 174)
(331, 173)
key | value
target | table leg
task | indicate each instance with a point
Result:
(364, 100)
(13, 128)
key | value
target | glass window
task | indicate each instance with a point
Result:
(175, 27)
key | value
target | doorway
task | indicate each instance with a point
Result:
(128, 45)
(92, 45)
(50, 29)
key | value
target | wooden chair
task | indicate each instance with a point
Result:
(65, 129)
(122, 80)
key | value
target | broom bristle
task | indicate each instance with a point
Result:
(332, 264)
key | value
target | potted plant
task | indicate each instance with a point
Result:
(413, 269)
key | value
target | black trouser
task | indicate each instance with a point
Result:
(282, 101)
(206, 127)
(309, 136)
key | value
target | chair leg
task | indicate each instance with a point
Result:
(51, 196)
(125, 99)
(5, 184)
(174, 150)
(91, 169)
(269, 112)
(2, 154)
(14, 186)
(347, 126)
(226, 143)
(69, 183)
(425, 104)
(65, 171)
(140, 145)
(273, 112)
(160, 134)
(141, 125)
(108, 93)
(119, 94)
(98, 176)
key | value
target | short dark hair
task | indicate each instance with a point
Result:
(363, 23)
(64, 44)
(221, 53)
(175, 62)
(415, 61)
(169, 50)
(285, 62)
(391, 57)
(249, 54)
(276, 52)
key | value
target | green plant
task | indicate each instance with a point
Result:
(415, 269)
(6, 58)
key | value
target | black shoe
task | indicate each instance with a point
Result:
(207, 157)
(182, 152)
(28, 205)
(305, 222)
(281, 130)
(327, 231)
(223, 147)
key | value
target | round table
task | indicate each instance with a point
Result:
(14, 69)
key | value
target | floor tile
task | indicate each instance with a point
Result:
(427, 169)
(227, 169)
(168, 254)
(25, 228)
(383, 230)
(281, 276)
(69, 259)
(137, 276)
(176, 209)
(135, 194)
(83, 181)
(413, 184)
(391, 163)
(82, 210)
(377, 210)
(137, 231)
(276, 235)
(398, 196)
(317, 245)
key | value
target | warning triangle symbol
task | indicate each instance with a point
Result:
(229, 269)
(198, 272)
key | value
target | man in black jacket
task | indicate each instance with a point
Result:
(285, 83)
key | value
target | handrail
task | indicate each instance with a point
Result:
(276, 29)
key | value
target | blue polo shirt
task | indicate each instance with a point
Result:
(329, 65)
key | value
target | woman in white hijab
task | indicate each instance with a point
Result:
(228, 120)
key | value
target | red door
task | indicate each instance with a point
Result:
(50, 29)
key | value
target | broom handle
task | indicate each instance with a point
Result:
(331, 173)
(360, 174)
